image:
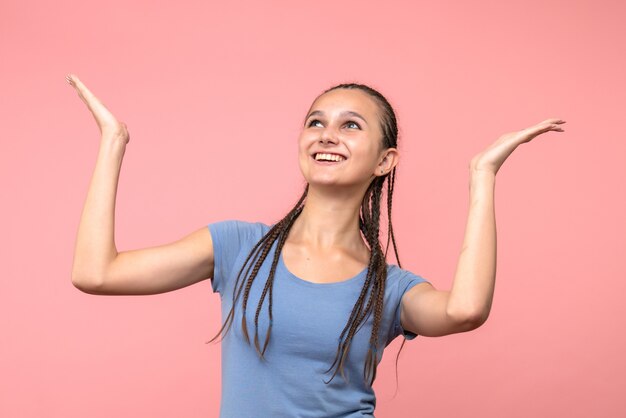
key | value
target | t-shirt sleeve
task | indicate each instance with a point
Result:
(406, 282)
(229, 239)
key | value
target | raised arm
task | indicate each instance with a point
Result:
(98, 268)
(431, 312)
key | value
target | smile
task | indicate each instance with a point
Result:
(320, 156)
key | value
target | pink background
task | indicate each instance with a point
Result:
(214, 95)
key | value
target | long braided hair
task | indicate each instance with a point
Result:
(369, 223)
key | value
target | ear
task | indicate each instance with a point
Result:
(388, 160)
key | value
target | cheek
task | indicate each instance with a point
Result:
(302, 152)
(366, 155)
(305, 142)
(302, 139)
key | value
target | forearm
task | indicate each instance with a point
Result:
(474, 280)
(95, 243)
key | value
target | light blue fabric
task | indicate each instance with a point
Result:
(307, 321)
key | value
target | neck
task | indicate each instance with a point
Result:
(329, 219)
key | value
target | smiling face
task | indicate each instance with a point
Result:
(341, 140)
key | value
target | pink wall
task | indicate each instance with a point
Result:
(213, 95)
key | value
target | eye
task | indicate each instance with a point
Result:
(313, 122)
(351, 123)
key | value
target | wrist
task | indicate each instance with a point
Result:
(112, 142)
(111, 148)
(481, 177)
(475, 171)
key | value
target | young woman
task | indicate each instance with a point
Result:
(317, 280)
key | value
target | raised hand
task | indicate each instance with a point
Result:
(491, 159)
(109, 126)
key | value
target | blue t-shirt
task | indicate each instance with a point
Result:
(307, 321)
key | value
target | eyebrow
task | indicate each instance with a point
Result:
(344, 113)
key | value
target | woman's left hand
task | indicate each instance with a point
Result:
(491, 159)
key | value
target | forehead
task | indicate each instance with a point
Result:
(347, 99)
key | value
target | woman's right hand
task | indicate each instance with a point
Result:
(109, 126)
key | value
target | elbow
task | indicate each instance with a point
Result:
(86, 284)
(468, 319)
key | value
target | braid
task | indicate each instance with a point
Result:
(375, 279)
(259, 252)
(248, 284)
(255, 250)
(390, 235)
(268, 285)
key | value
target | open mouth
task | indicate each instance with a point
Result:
(328, 157)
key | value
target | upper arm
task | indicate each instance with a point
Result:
(158, 269)
(424, 312)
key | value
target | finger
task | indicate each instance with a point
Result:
(94, 104)
(554, 124)
(546, 127)
(71, 79)
(533, 131)
(551, 127)
(80, 86)
(552, 121)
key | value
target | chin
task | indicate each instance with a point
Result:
(323, 181)
(335, 183)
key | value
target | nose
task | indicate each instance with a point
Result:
(328, 135)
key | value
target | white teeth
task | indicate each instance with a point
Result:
(328, 157)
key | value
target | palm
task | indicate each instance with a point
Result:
(107, 123)
(492, 158)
